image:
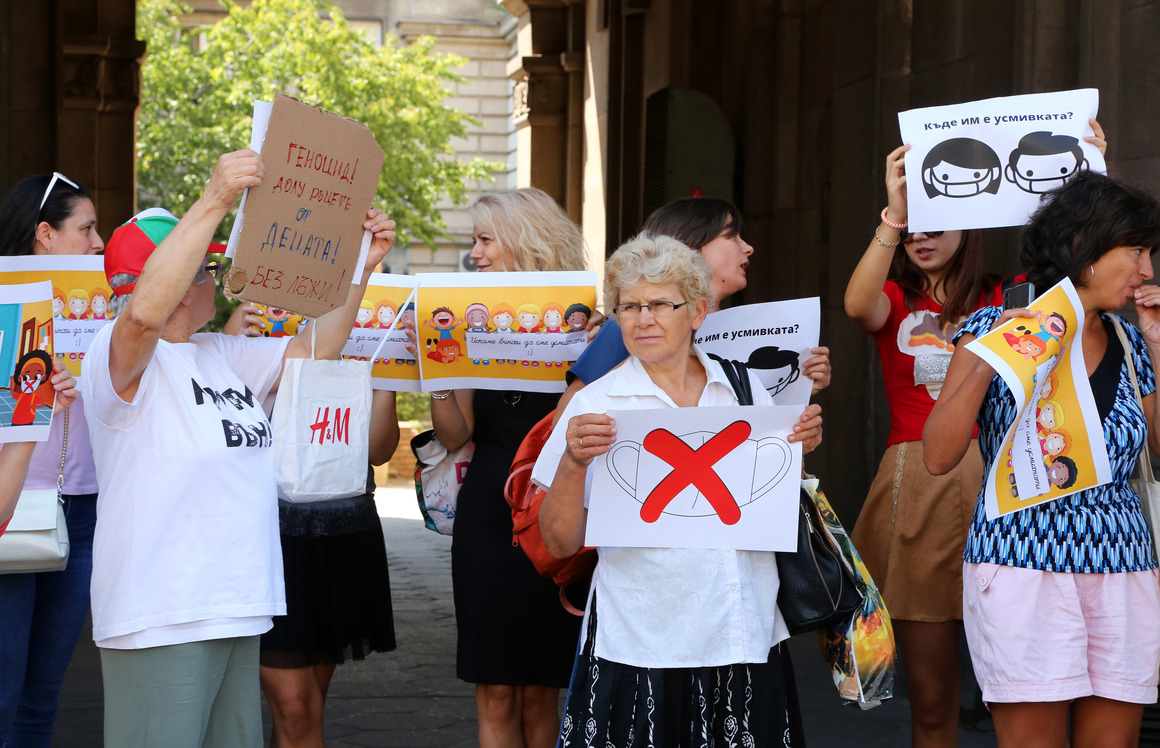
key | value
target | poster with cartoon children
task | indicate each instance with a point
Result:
(986, 163)
(502, 330)
(1056, 445)
(379, 316)
(79, 296)
(279, 323)
(773, 339)
(26, 351)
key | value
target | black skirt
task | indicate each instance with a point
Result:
(338, 592)
(748, 705)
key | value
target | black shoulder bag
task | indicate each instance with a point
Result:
(818, 588)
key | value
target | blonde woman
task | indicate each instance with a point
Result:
(516, 642)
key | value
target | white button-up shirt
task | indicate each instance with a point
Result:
(673, 607)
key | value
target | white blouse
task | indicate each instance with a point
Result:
(673, 607)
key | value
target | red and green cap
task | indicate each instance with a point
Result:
(131, 244)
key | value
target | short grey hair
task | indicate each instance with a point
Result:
(118, 303)
(658, 259)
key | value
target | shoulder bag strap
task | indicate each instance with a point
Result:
(1145, 462)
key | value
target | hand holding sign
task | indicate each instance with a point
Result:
(234, 173)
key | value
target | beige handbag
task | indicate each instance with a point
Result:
(1144, 484)
(37, 536)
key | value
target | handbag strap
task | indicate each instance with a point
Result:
(738, 375)
(63, 450)
(1145, 462)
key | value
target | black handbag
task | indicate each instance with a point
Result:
(817, 588)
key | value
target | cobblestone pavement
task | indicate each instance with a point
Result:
(410, 698)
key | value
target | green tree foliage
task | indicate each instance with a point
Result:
(199, 87)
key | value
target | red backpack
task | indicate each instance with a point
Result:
(525, 498)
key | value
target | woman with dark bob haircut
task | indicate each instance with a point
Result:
(1059, 598)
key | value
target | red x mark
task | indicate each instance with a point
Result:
(694, 467)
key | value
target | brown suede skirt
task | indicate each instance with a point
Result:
(912, 531)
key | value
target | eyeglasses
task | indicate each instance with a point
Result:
(213, 269)
(56, 176)
(655, 308)
(907, 237)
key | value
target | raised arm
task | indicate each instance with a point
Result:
(171, 268)
(1148, 314)
(866, 304)
(948, 429)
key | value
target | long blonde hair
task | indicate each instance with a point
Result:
(532, 228)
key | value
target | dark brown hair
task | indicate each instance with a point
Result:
(964, 281)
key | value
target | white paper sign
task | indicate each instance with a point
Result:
(773, 339)
(698, 478)
(559, 346)
(987, 163)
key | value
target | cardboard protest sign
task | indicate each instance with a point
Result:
(80, 298)
(501, 331)
(1056, 445)
(698, 478)
(773, 339)
(987, 163)
(387, 307)
(301, 235)
(27, 395)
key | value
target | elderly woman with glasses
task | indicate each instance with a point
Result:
(41, 615)
(653, 664)
(187, 568)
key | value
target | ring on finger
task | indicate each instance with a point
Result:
(581, 441)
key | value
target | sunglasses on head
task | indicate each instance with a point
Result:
(56, 176)
(907, 237)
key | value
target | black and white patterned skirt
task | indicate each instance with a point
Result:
(611, 705)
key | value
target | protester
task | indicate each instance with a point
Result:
(338, 595)
(187, 565)
(912, 291)
(41, 615)
(653, 661)
(712, 227)
(1059, 598)
(516, 641)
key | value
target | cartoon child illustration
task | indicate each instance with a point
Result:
(446, 351)
(1062, 472)
(78, 304)
(554, 318)
(57, 303)
(31, 386)
(385, 314)
(443, 320)
(1049, 417)
(1025, 343)
(1055, 443)
(961, 167)
(476, 317)
(366, 314)
(577, 317)
(278, 319)
(502, 316)
(782, 363)
(99, 304)
(1043, 161)
(528, 315)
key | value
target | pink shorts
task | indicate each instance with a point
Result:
(1040, 636)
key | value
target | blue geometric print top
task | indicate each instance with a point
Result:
(1098, 530)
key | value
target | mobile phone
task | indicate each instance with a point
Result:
(1019, 296)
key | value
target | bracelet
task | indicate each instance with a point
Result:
(876, 238)
(441, 395)
(892, 224)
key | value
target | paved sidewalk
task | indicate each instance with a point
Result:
(410, 698)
